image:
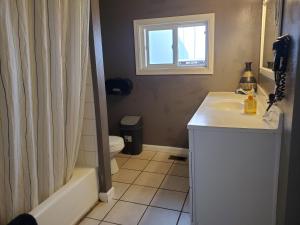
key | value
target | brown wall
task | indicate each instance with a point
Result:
(168, 102)
(289, 183)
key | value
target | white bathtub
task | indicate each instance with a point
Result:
(70, 203)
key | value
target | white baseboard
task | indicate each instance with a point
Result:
(167, 149)
(107, 196)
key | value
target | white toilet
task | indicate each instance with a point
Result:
(116, 145)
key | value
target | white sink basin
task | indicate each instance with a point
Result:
(227, 105)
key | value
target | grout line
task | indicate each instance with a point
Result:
(117, 200)
(167, 163)
(179, 218)
(160, 187)
(154, 194)
(148, 161)
(172, 161)
(166, 174)
(107, 211)
(123, 163)
(154, 172)
(152, 158)
(165, 189)
(161, 161)
(161, 183)
(142, 215)
(136, 159)
(130, 184)
(124, 201)
(181, 211)
(137, 203)
(87, 218)
(123, 192)
(157, 188)
(90, 210)
(109, 222)
(185, 201)
(146, 207)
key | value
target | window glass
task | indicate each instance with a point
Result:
(192, 46)
(160, 47)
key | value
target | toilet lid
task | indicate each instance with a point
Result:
(116, 144)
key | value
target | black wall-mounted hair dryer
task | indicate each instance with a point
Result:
(281, 49)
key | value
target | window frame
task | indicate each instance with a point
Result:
(141, 31)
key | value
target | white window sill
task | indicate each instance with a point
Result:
(184, 71)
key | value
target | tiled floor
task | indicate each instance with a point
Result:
(150, 189)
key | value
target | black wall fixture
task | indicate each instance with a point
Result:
(118, 86)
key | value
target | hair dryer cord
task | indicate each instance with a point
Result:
(280, 80)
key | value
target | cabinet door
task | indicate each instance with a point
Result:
(234, 177)
(191, 171)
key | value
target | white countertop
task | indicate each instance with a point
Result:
(214, 113)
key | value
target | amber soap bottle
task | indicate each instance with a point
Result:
(250, 105)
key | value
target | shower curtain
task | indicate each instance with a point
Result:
(43, 67)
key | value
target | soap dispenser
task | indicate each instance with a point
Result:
(250, 103)
(248, 81)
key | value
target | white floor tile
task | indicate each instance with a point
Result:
(122, 155)
(175, 183)
(119, 189)
(148, 155)
(185, 219)
(125, 213)
(101, 210)
(149, 179)
(162, 157)
(169, 199)
(186, 162)
(158, 167)
(121, 161)
(88, 221)
(139, 194)
(106, 223)
(135, 164)
(187, 206)
(157, 216)
(125, 176)
(179, 170)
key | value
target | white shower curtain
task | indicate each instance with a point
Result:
(43, 67)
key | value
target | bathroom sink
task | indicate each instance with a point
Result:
(227, 105)
(226, 110)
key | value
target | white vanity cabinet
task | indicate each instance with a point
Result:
(234, 163)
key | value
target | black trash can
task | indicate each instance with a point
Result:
(131, 128)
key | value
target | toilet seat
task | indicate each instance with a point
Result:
(116, 144)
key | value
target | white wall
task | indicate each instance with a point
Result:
(87, 156)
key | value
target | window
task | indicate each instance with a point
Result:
(174, 45)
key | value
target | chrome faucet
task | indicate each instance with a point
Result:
(241, 91)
